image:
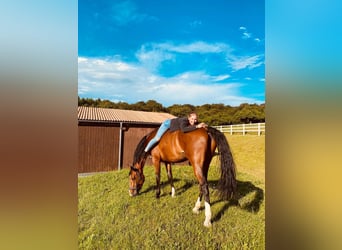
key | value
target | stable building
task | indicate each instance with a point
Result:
(107, 138)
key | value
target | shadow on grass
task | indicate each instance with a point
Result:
(248, 197)
(179, 189)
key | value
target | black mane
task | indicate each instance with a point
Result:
(138, 153)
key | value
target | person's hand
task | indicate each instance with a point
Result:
(201, 125)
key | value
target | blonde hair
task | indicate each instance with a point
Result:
(192, 113)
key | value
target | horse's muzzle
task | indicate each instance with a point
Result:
(133, 192)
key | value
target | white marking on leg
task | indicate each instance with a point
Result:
(207, 221)
(197, 206)
(173, 192)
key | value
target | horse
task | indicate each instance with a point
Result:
(198, 147)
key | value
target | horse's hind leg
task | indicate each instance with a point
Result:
(169, 176)
(207, 221)
(205, 191)
(201, 175)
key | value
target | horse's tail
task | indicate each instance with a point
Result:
(227, 183)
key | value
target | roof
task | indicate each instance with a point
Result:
(93, 114)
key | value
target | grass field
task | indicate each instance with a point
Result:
(109, 218)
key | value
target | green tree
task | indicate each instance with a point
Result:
(180, 110)
(248, 114)
(154, 106)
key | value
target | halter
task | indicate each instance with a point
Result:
(138, 172)
(135, 169)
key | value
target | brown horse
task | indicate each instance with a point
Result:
(199, 148)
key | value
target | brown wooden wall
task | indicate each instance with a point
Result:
(99, 146)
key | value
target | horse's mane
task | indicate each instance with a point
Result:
(139, 150)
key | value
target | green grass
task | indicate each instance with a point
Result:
(109, 218)
(249, 154)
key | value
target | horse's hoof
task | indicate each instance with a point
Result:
(195, 211)
(207, 224)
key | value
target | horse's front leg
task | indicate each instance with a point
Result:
(204, 190)
(169, 176)
(157, 173)
(198, 202)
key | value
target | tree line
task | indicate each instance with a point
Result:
(212, 114)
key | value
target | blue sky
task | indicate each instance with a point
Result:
(173, 52)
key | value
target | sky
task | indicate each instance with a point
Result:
(174, 52)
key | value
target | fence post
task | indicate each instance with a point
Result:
(259, 132)
(231, 129)
(243, 129)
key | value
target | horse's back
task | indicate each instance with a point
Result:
(178, 146)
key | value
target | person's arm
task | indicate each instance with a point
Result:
(185, 127)
(201, 125)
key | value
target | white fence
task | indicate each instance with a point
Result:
(250, 128)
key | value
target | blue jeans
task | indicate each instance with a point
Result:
(162, 129)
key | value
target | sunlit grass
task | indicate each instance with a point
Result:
(249, 154)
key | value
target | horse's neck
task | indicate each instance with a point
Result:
(141, 165)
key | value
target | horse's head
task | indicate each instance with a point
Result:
(136, 179)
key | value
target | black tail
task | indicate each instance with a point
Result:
(227, 182)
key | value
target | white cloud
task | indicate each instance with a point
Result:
(81, 59)
(152, 57)
(121, 81)
(246, 35)
(220, 78)
(184, 89)
(250, 62)
(195, 47)
(153, 54)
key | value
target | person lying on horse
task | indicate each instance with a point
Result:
(185, 124)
